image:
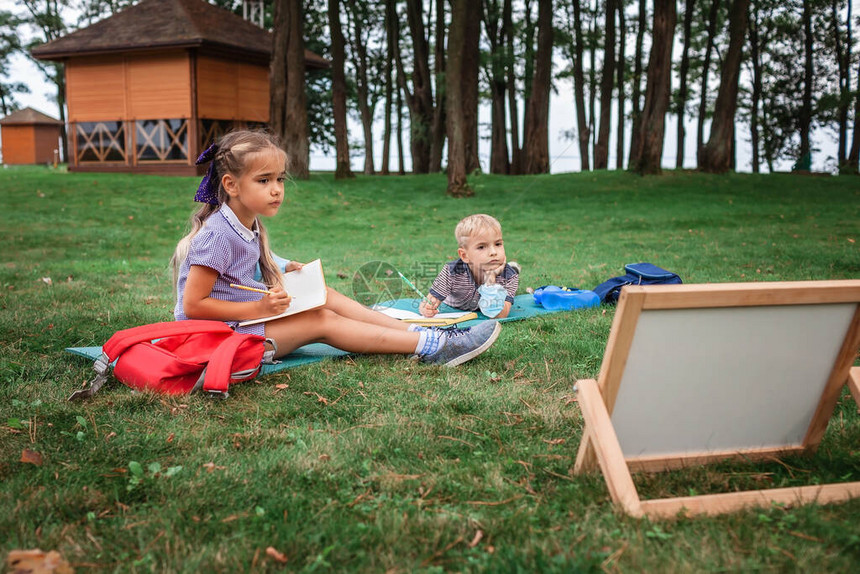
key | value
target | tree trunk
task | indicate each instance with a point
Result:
(288, 110)
(592, 76)
(706, 68)
(536, 140)
(681, 108)
(583, 132)
(622, 42)
(499, 163)
(401, 153)
(401, 93)
(513, 104)
(755, 56)
(769, 158)
(647, 158)
(361, 85)
(469, 84)
(718, 152)
(47, 18)
(528, 41)
(421, 102)
(60, 82)
(457, 183)
(853, 162)
(278, 67)
(528, 65)
(390, 39)
(439, 70)
(607, 82)
(844, 65)
(338, 92)
(636, 96)
(804, 162)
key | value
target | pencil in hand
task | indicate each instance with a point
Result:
(246, 288)
(255, 290)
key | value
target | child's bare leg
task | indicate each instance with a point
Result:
(327, 326)
(352, 309)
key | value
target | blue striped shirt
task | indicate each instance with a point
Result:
(456, 286)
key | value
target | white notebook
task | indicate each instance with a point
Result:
(405, 315)
(437, 320)
(307, 288)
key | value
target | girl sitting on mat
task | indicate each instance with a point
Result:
(228, 240)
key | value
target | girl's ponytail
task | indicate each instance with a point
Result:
(181, 251)
(269, 269)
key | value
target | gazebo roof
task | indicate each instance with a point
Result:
(29, 116)
(162, 24)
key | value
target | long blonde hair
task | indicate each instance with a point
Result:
(231, 157)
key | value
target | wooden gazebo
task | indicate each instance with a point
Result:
(30, 137)
(149, 87)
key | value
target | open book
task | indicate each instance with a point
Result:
(307, 288)
(438, 320)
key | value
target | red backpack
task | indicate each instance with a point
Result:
(178, 357)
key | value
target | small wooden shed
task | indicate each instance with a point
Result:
(29, 137)
(148, 88)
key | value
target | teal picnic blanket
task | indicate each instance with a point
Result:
(312, 353)
(524, 307)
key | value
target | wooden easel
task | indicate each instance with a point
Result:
(694, 374)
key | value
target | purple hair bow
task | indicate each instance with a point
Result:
(207, 192)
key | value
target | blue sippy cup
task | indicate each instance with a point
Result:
(492, 299)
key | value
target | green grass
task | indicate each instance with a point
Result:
(375, 463)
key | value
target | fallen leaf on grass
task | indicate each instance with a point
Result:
(275, 555)
(31, 457)
(211, 466)
(37, 562)
(320, 398)
(554, 441)
(805, 536)
(47, 281)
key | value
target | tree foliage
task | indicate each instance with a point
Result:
(405, 77)
(10, 46)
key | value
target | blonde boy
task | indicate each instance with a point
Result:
(482, 257)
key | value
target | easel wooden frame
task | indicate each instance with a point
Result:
(600, 444)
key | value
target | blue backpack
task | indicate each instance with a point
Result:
(637, 274)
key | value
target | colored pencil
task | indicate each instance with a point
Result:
(408, 282)
(254, 289)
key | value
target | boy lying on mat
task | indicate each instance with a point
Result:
(481, 278)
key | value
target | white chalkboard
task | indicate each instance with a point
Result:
(726, 379)
(698, 373)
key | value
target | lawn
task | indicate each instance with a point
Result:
(373, 464)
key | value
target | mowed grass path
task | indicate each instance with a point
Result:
(378, 464)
